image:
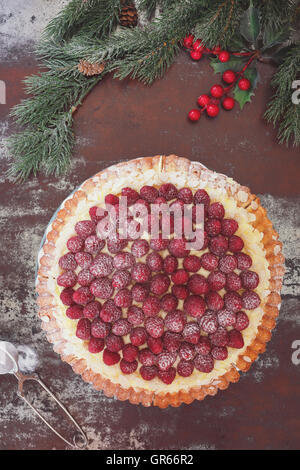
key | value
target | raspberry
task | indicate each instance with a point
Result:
(111, 199)
(192, 263)
(220, 337)
(242, 321)
(93, 244)
(102, 265)
(85, 277)
(110, 358)
(140, 292)
(102, 288)
(159, 244)
(110, 312)
(191, 332)
(243, 261)
(180, 292)
(214, 301)
(201, 197)
(116, 244)
(130, 352)
(154, 261)
(74, 312)
(168, 191)
(151, 306)
(194, 306)
(204, 363)
(180, 277)
(99, 328)
(97, 213)
(96, 345)
(235, 339)
(170, 264)
(198, 284)
(85, 228)
(227, 263)
(209, 261)
(128, 367)
(155, 345)
(135, 315)
(68, 262)
(209, 323)
(233, 282)
(219, 353)
(148, 373)
(176, 206)
(165, 360)
(216, 211)
(121, 279)
(235, 244)
(185, 368)
(203, 347)
(138, 336)
(160, 200)
(250, 300)
(250, 279)
(226, 318)
(123, 298)
(159, 284)
(177, 248)
(218, 245)
(67, 279)
(233, 301)
(175, 321)
(229, 227)
(213, 227)
(92, 310)
(185, 195)
(131, 194)
(121, 327)
(149, 193)
(123, 261)
(139, 248)
(138, 208)
(169, 303)
(83, 296)
(216, 280)
(171, 341)
(140, 272)
(83, 259)
(186, 351)
(154, 326)
(114, 343)
(147, 358)
(75, 244)
(66, 296)
(83, 330)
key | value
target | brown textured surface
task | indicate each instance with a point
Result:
(124, 120)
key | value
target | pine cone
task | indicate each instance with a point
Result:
(128, 15)
(88, 69)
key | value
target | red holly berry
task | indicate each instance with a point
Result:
(228, 103)
(203, 100)
(148, 373)
(212, 110)
(198, 46)
(217, 91)
(96, 345)
(235, 339)
(110, 358)
(194, 115)
(83, 330)
(128, 367)
(244, 84)
(204, 363)
(224, 56)
(196, 55)
(194, 306)
(188, 41)
(228, 76)
(185, 368)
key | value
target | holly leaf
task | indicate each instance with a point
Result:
(234, 63)
(244, 96)
(250, 25)
(272, 37)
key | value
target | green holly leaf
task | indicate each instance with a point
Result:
(234, 63)
(272, 37)
(243, 97)
(250, 25)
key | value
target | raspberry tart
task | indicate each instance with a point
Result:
(149, 319)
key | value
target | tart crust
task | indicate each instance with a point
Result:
(181, 172)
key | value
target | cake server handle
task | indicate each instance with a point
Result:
(21, 378)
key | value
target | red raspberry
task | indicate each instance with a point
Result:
(169, 303)
(124, 261)
(204, 363)
(243, 261)
(233, 301)
(219, 353)
(229, 227)
(165, 360)
(100, 329)
(135, 315)
(216, 280)
(97, 213)
(102, 288)
(96, 345)
(114, 343)
(250, 279)
(209, 323)
(185, 368)
(83, 330)
(155, 345)
(75, 244)
(74, 312)
(110, 358)
(68, 262)
(213, 227)
(130, 352)
(175, 321)
(138, 336)
(226, 318)
(235, 339)
(148, 373)
(121, 327)
(92, 310)
(235, 244)
(154, 261)
(66, 296)
(192, 263)
(85, 277)
(191, 332)
(85, 228)
(83, 259)
(180, 277)
(201, 197)
(110, 312)
(154, 326)
(102, 265)
(131, 194)
(111, 199)
(209, 261)
(151, 306)
(168, 191)
(121, 279)
(159, 244)
(159, 284)
(250, 300)
(203, 100)
(186, 351)
(93, 244)
(67, 279)
(160, 200)
(185, 195)
(170, 264)
(198, 284)
(128, 367)
(171, 341)
(227, 263)
(218, 245)
(167, 376)
(194, 306)
(177, 248)
(123, 298)
(115, 245)
(220, 337)
(216, 211)
(242, 321)
(147, 358)
(83, 296)
(233, 282)
(214, 301)
(180, 292)
(203, 347)
(140, 292)
(149, 193)
(140, 272)
(139, 248)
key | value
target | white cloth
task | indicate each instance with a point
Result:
(8, 358)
